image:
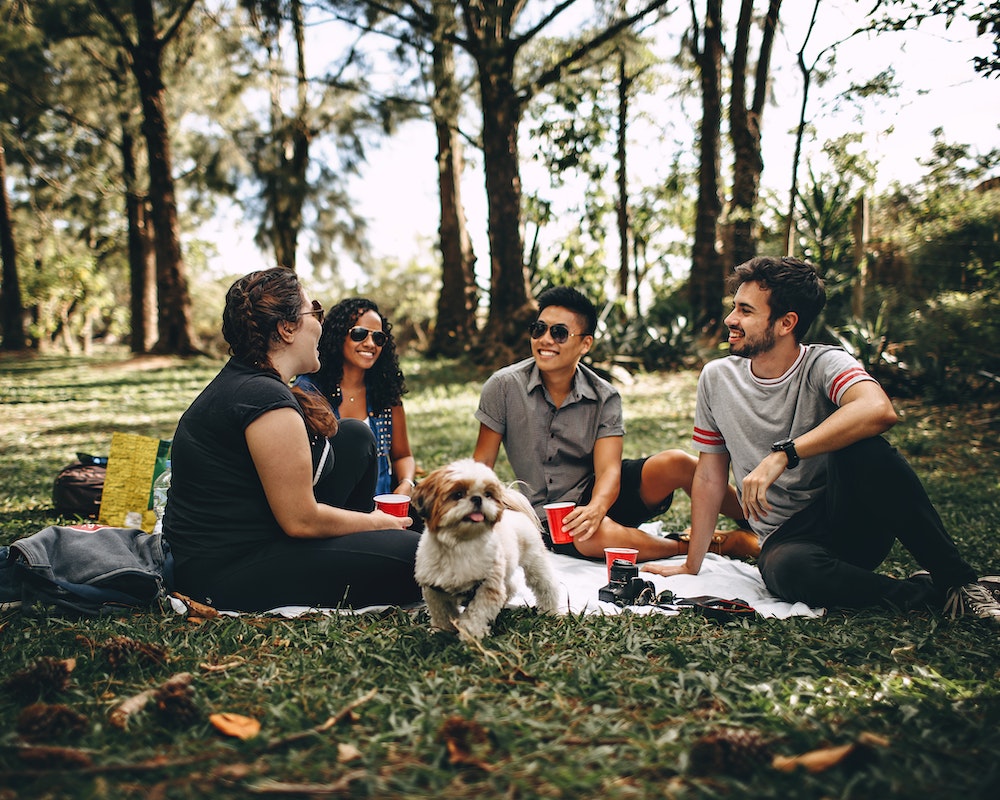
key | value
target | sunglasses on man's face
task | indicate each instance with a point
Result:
(317, 311)
(559, 332)
(359, 334)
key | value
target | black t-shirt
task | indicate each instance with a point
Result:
(216, 508)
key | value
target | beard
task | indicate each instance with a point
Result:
(750, 347)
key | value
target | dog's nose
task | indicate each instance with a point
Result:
(477, 501)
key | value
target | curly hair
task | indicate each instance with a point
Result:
(384, 381)
(255, 305)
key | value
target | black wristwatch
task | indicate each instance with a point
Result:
(787, 446)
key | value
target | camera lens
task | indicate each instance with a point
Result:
(623, 571)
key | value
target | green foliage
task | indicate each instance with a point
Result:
(954, 344)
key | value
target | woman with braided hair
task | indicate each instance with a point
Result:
(249, 458)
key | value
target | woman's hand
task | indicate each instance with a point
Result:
(381, 520)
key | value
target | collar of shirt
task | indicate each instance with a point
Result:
(581, 389)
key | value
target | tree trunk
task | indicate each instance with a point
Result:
(622, 180)
(793, 191)
(745, 127)
(141, 259)
(173, 300)
(11, 314)
(861, 229)
(287, 182)
(510, 306)
(706, 284)
(455, 328)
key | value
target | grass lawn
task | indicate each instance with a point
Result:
(574, 707)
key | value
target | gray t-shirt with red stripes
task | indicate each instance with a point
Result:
(742, 415)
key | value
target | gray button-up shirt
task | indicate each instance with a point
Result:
(550, 449)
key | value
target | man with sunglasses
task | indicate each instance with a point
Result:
(561, 426)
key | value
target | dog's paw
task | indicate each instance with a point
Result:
(471, 632)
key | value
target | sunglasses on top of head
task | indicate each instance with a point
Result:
(359, 334)
(317, 311)
(559, 332)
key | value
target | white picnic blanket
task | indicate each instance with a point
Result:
(580, 581)
(719, 577)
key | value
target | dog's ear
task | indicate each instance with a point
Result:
(423, 494)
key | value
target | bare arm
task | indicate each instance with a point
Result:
(404, 466)
(487, 446)
(583, 521)
(279, 446)
(708, 490)
(865, 411)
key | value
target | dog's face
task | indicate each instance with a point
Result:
(464, 498)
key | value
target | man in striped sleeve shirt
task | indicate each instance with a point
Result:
(801, 427)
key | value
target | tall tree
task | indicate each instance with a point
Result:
(11, 312)
(143, 34)
(456, 325)
(493, 42)
(745, 124)
(705, 286)
(282, 162)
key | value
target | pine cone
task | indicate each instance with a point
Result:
(41, 722)
(120, 649)
(729, 751)
(175, 705)
(46, 677)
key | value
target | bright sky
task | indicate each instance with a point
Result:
(939, 88)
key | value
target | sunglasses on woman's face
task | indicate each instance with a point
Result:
(317, 311)
(359, 334)
(559, 332)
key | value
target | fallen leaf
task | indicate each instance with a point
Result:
(815, 760)
(195, 608)
(235, 725)
(347, 752)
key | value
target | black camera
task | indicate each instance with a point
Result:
(626, 588)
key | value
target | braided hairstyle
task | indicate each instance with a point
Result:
(255, 305)
(384, 381)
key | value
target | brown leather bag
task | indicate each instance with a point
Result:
(77, 489)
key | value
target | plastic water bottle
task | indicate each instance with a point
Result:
(160, 488)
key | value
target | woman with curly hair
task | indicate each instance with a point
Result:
(361, 379)
(244, 525)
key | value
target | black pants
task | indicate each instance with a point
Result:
(825, 555)
(352, 571)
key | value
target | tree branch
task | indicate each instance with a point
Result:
(553, 74)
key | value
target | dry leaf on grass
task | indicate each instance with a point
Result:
(196, 609)
(235, 725)
(347, 752)
(826, 757)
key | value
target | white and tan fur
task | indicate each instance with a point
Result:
(477, 532)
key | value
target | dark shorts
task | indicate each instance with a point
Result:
(628, 509)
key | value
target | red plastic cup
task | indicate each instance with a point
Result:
(556, 512)
(612, 554)
(396, 504)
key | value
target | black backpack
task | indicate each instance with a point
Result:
(77, 489)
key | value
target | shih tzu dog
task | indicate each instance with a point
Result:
(477, 532)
